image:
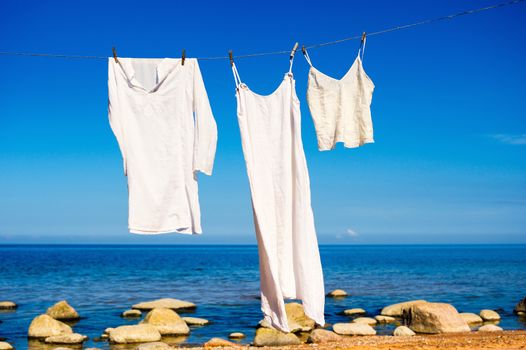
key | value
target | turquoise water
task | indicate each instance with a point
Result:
(102, 281)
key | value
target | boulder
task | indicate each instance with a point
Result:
(489, 328)
(156, 345)
(355, 311)
(62, 311)
(7, 305)
(273, 337)
(236, 335)
(133, 313)
(470, 317)
(44, 326)
(398, 309)
(322, 336)
(367, 320)
(220, 343)
(195, 321)
(337, 293)
(142, 333)
(489, 315)
(436, 318)
(520, 308)
(384, 319)
(73, 338)
(297, 320)
(403, 331)
(5, 346)
(167, 322)
(168, 303)
(353, 329)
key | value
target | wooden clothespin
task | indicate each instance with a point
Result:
(183, 57)
(363, 36)
(231, 56)
(115, 54)
(293, 52)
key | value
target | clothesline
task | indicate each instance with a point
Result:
(283, 52)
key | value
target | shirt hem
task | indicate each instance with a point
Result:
(185, 231)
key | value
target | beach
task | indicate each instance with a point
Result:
(102, 282)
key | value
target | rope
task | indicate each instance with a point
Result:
(283, 52)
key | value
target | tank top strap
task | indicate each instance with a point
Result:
(361, 50)
(237, 79)
(306, 55)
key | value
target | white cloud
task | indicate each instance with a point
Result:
(511, 139)
(348, 233)
(351, 233)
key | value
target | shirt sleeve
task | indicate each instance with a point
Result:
(116, 122)
(205, 130)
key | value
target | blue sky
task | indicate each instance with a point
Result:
(448, 165)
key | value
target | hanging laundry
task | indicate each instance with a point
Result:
(341, 109)
(161, 117)
(289, 260)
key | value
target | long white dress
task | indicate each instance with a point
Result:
(289, 259)
(161, 117)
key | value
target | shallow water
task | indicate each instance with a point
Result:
(102, 281)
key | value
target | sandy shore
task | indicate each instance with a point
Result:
(508, 340)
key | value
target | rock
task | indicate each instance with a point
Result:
(337, 293)
(195, 321)
(353, 329)
(355, 311)
(273, 337)
(141, 333)
(367, 320)
(62, 311)
(7, 305)
(398, 309)
(157, 345)
(220, 343)
(108, 330)
(167, 322)
(436, 318)
(489, 328)
(489, 315)
(403, 331)
(73, 338)
(5, 346)
(384, 319)
(168, 303)
(131, 313)
(520, 308)
(321, 336)
(297, 320)
(471, 318)
(236, 335)
(44, 326)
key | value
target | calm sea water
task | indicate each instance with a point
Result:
(102, 281)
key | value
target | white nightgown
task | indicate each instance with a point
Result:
(289, 260)
(161, 117)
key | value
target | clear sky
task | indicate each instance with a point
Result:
(449, 112)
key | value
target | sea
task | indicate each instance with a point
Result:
(101, 281)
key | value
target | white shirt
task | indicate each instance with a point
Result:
(289, 259)
(161, 117)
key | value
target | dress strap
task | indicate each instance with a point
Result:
(306, 55)
(236, 75)
(290, 66)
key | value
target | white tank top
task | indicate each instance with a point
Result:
(341, 109)
(289, 260)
